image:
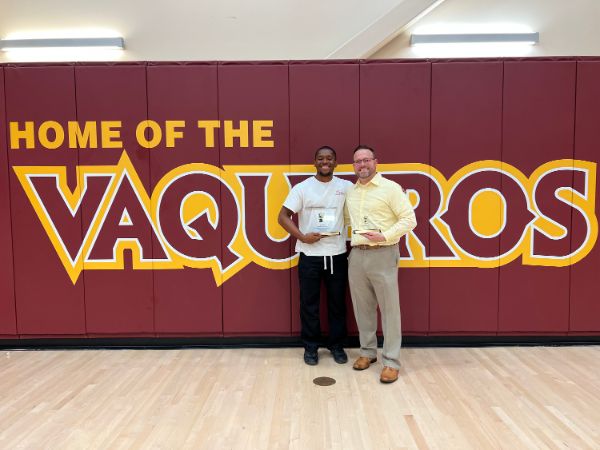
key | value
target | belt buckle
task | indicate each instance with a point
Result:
(367, 247)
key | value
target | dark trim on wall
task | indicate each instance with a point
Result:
(166, 343)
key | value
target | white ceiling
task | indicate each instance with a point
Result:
(217, 30)
(295, 29)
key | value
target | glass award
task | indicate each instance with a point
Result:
(324, 221)
(366, 226)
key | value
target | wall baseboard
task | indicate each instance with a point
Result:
(278, 342)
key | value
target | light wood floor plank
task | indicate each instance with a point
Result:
(446, 398)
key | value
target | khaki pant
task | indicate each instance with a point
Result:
(373, 279)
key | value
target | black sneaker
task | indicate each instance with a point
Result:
(311, 357)
(339, 355)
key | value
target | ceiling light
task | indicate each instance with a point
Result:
(82, 42)
(468, 38)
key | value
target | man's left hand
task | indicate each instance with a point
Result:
(374, 236)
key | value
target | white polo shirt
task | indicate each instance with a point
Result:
(320, 207)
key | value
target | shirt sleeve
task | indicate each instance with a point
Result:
(346, 215)
(347, 187)
(403, 210)
(293, 201)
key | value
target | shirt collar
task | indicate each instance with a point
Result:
(376, 180)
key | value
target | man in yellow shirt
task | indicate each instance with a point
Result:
(380, 214)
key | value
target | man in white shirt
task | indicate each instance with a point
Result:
(321, 242)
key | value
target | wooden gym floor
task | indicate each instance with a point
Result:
(446, 398)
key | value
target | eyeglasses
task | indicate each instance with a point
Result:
(358, 162)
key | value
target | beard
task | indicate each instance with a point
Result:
(364, 173)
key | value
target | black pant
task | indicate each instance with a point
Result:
(311, 270)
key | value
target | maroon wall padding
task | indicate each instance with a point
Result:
(8, 321)
(585, 275)
(117, 301)
(256, 300)
(394, 120)
(323, 112)
(186, 301)
(443, 114)
(466, 120)
(538, 125)
(47, 302)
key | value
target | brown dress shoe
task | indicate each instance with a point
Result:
(388, 375)
(363, 363)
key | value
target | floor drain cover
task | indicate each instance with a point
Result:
(324, 381)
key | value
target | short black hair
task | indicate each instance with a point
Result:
(364, 147)
(326, 147)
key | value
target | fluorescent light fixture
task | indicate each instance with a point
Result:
(82, 42)
(469, 38)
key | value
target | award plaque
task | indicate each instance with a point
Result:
(366, 226)
(329, 233)
(323, 221)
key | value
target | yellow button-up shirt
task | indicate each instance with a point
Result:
(380, 204)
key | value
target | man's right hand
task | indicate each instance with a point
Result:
(310, 238)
